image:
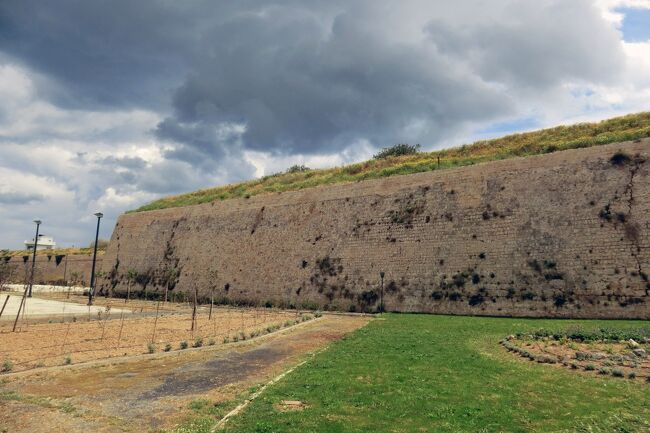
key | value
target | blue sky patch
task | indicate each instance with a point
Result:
(636, 24)
(509, 127)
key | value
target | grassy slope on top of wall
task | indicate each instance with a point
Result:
(625, 128)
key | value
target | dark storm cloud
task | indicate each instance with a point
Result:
(300, 86)
(305, 77)
(541, 44)
(129, 162)
(17, 198)
(100, 53)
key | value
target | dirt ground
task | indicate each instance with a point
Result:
(131, 304)
(152, 393)
(106, 334)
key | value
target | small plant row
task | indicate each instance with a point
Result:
(8, 365)
(551, 359)
(241, 336)
(576, 333)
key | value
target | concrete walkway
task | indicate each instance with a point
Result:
(47, 288)
(36, 307)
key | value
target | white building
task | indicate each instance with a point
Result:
(44, 243)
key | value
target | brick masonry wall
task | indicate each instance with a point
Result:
(50, 269)
(559, 235)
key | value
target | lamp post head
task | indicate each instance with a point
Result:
(99, 214)
(381, 274)
(38, 222)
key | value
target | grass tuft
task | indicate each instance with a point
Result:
(7, 365)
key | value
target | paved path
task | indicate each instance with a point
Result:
(37, 307)
(47, 288)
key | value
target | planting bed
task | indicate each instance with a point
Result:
(110, 334)
(606, 351)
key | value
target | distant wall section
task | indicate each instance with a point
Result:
(52, 269)
(565, 234)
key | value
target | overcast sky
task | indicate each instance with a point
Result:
(106, 105)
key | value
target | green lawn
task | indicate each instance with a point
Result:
(422, 373)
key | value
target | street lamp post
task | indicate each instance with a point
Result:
(381, 301)
(99, 216)
(31, 277)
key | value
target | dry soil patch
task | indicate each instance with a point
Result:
(154, 393)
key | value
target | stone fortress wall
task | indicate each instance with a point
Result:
(56, 269)
(565, 234)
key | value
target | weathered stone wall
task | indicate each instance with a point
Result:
(561, 235)
(52, 269)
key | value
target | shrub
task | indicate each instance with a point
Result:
(590, 367)
(528, 296)
(151, 348)
(226, 340)
(297, 169)
(397, 150)
(617, 372)
(318, 314)
(632, 375)
(604, 371)
(559, 301)
(545, 359)
(183, 345)
(67, 360)
(168, 347)
(198, 342)
(7, 365)
(459, 279)
(211, 342)
(476, 299)
(620, 158)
